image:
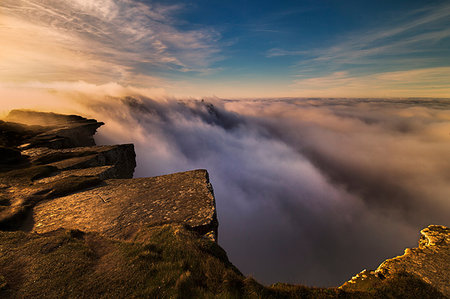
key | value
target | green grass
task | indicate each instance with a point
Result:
(168, 262)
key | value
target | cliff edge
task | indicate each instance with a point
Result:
(61, 179)
(429, 262)
(74, 223)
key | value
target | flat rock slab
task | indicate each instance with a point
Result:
(102, 172)
(121, 206)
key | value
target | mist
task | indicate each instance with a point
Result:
(308, 191)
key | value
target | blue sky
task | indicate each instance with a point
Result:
(233, 48)
(269, 40)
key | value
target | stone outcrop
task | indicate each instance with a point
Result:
(115, 161)
(53, 130)
(54, 176)
(119, 208)
(428, 262)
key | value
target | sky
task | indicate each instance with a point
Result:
(324, 126)
(231, 49)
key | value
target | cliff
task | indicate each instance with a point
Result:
(74, 223)
(47, 156)
(429, 262)
(67, 167)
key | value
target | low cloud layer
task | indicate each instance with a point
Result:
(308, 190)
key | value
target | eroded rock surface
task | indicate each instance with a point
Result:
(118, 208)
(429, 262)
(120, 159)
(54, 176)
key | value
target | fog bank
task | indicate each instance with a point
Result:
(308, 190)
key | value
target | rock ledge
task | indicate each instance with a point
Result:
(428, 262)
(52, 175)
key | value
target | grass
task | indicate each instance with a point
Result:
(404, 285)
(170, 262)
(161, 262)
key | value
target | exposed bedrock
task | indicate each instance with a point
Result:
(118, 208)
(53, 130)
(54, 176)
(116, 161)
(429, 262)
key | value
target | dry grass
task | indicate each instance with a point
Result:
(161, 262)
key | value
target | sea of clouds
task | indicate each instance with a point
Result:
(308, 190)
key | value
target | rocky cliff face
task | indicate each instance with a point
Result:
(47, 156)
(428, 262)
(74, 223)
(29, 129)
(63, 180)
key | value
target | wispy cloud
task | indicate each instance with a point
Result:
(412, 32)
(405, 57)
(281, 52)
(428, 82)
(417, 40)
(106, 40)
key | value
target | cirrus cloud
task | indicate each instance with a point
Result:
(122, 41)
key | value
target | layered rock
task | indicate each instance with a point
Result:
(429, 262)
(113, 161)
(53, 130)
(54, 176)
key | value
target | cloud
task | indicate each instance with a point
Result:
(410, 32)
(308, 190)
(98, 41)
(373, 147)
(281, 52)
(412, 48)
(427, 82)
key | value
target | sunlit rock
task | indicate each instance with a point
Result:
(63, 180)
(429, 263)
(118, 208)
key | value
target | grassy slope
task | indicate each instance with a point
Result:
(161, 262)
